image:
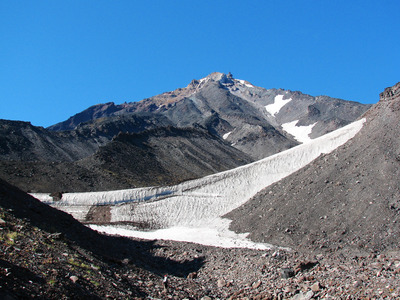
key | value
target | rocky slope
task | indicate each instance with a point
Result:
(161, 156)
(21, 141)
(164, 156)
(347, 200)
(46, 254)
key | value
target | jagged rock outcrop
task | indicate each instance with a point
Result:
(390, 93)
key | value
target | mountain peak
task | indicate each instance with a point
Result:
(222, 77)
(215, 76)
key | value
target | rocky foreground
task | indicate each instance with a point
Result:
(38, 263)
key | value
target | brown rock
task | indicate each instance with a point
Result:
(192, 275)
(310, 278)
(256, 284)
(316, 287)
(221, 283)
(301, 279)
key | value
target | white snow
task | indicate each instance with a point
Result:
(204, 235)
(275, 107)
(245, 83)
(204, 79)
(300, 133)
(198, 205)
(225, 136)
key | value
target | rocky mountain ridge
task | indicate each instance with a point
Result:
(390, 93)
(251, 118)
(159, 156)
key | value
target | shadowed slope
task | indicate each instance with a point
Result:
(161, 156)
(113, 249)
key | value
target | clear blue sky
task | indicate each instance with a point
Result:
(59, 57)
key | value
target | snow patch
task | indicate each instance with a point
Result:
(246, 83)
(300, 133)
(203, 235)
(225, 136)
(275, 107)
(203, 79)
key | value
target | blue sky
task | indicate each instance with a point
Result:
(59, 57)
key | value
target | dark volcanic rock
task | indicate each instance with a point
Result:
(21, 141)
(162, 156)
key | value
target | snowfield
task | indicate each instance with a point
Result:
(275, 107)
(300, 133)
(192, 211)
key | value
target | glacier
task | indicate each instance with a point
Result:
(194, 207)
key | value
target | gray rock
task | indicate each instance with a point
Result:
(287, 273)
(303, 296)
